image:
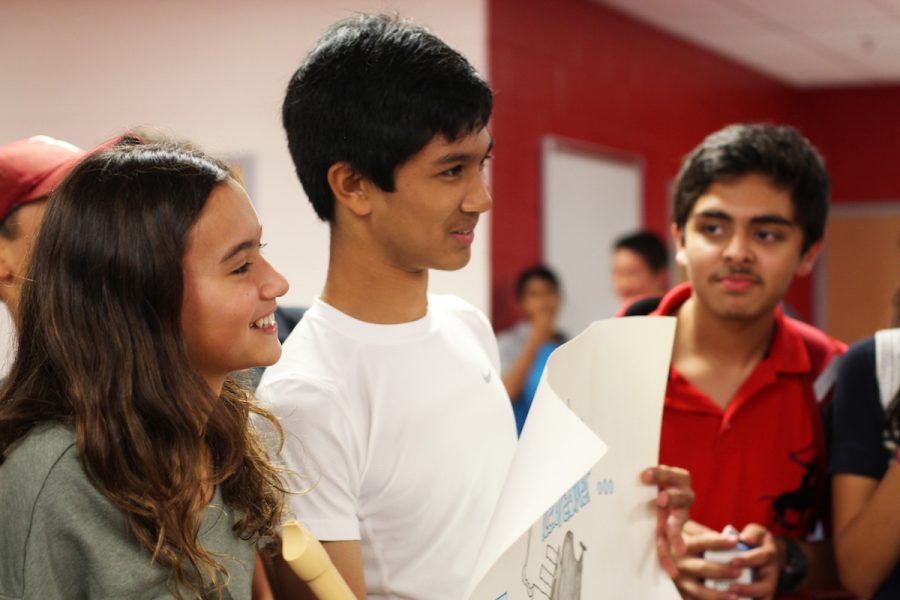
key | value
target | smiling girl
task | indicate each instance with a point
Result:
(128, 466)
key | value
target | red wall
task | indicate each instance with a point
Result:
(858, 131)
(576, 69)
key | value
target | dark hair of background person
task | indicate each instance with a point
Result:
(535, 272)
(104, 354)
(779, 152)
(648, 246)
(373, 92)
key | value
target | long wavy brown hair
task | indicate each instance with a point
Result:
(101, 350)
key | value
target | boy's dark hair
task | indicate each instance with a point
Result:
(373, 92)
(535, 272)
(777, 151)
(648, 246)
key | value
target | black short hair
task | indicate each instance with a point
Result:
(648, 246)
(536, 272)
(779, 152)
(373, 92)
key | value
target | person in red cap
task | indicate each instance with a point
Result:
(30, 170)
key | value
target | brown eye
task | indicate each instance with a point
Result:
(711, 229)
(769, 235)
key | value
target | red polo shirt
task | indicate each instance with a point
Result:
(761, 459)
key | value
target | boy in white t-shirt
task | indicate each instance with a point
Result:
(392, 397)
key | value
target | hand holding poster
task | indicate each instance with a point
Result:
(573, 520)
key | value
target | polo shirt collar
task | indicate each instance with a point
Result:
(787, 352)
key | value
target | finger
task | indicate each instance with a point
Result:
(754, 534)
(669, 542)
(695, 528)
(662, 547)
(698, 544)
(694, 589)
(699, 568)
(757, 557)
(664, 476)
(757, 589)
(674, 532)
(664, 554)
(675, 498)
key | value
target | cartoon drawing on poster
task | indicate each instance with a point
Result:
(559, 572)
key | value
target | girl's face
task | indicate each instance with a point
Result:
(227, 312)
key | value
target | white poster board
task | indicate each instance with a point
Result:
(574, 521)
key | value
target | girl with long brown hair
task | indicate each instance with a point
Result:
(128, 465)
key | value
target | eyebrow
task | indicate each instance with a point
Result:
(464, 156)
(771, 219)
(245, 245)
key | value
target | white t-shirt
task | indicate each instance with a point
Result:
(409, 433)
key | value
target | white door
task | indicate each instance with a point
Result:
(590, 198)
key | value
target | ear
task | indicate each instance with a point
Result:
(7, 274)
(808, 259)
(349, 188)
(7, 268)
(678, 238)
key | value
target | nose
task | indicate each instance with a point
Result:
(478, 197)
(274, 284)
(739, 249)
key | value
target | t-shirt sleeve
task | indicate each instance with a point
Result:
(323, 452)
(857, 447)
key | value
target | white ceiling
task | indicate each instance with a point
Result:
(801, 42)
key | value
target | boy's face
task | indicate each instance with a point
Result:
(741, 247)
(632, 276)
(428, 221)
(539, 297)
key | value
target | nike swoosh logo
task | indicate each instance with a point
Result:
(487, 376)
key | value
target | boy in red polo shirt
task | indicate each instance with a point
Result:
(747, 385)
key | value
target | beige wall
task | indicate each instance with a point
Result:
(211, 70)
(214, 71)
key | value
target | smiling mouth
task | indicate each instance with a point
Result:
(265, 322)
(464, 233)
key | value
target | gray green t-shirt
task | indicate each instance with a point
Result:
(61, 538)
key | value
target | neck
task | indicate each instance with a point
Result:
(363, 284)
(216, 383)
(721, 340)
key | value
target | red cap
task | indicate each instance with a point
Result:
(32, 168)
